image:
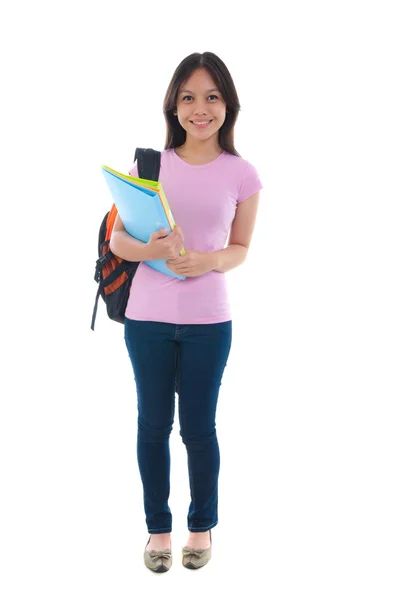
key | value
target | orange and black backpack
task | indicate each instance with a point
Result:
(113, 274)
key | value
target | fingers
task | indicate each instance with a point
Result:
(178, 239)
(178, 231)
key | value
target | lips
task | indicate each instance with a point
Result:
(202, 124)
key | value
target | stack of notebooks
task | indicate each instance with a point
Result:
(143, 209)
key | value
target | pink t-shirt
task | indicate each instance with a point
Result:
(203, 201)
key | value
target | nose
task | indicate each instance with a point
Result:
(199, 109)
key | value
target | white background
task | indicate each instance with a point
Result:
(306, 416)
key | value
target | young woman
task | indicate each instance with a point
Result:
(178, 332)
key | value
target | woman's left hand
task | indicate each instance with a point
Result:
(191, 264)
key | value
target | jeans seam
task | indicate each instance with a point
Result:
(182, 330)
(175, 368)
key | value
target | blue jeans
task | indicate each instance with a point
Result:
(189, 359)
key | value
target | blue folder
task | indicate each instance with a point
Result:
(141, 212)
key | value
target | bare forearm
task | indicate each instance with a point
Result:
(125, 246)
(229, 258)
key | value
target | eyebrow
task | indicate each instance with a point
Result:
(190, 91)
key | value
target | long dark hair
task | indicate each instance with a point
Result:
(176, 135)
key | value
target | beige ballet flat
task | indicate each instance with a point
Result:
(158, 561)
(195, 559)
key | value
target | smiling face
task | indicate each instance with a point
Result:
(201, 109)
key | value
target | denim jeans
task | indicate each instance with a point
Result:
(189, 359)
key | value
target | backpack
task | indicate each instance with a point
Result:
(113, 274)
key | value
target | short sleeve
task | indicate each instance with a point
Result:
(134, 170)
(250, 183)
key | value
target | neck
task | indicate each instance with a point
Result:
(201, 148)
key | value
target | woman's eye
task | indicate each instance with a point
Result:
(211, 96)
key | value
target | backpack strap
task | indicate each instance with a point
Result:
(95, 308)
(148, 163)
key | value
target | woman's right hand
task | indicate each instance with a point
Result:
(164, 248)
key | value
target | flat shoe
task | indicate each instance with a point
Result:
(195, 559)
(158, 561)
